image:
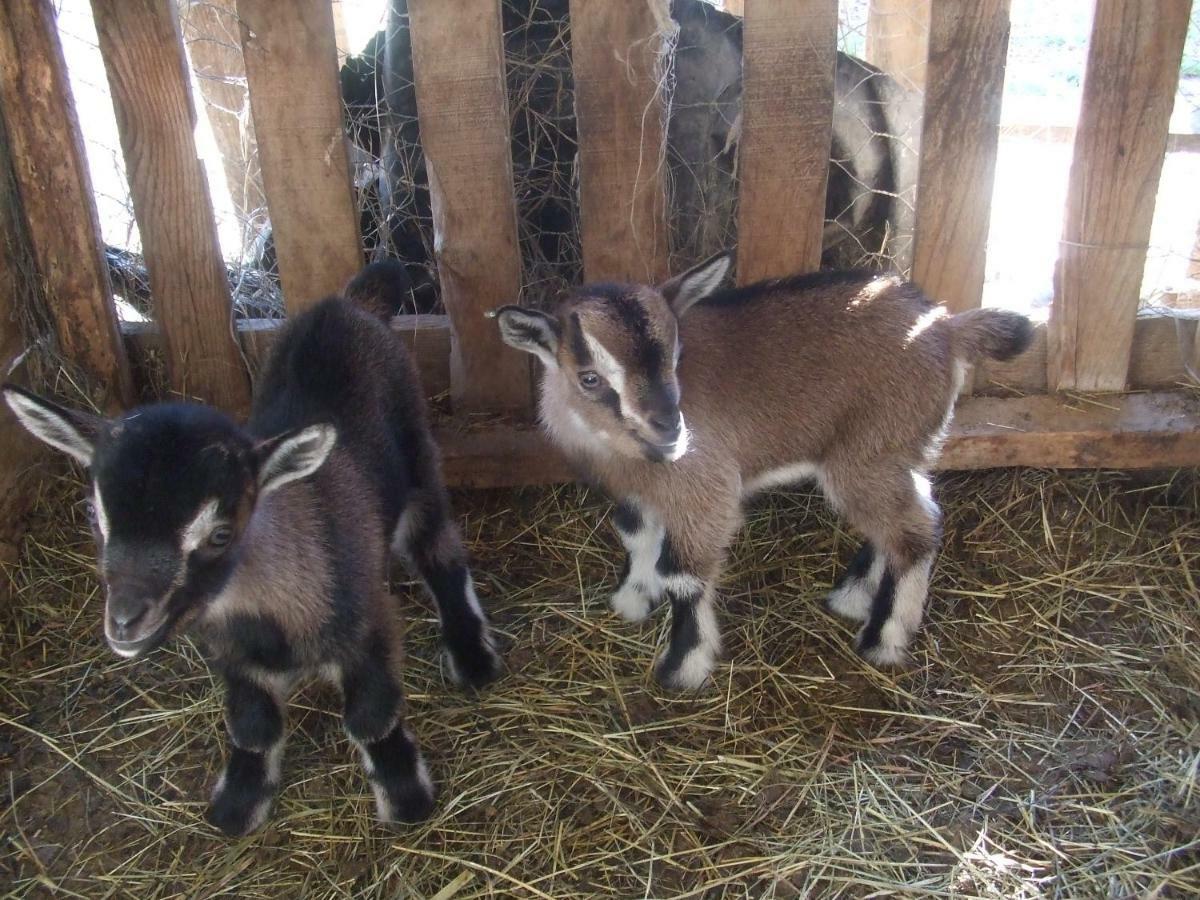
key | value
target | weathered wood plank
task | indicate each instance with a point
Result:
(143, 56)
(968, 46)
(615, 50)
(1128, 92)
(462, 106)
(897, 39)
(44, 152)
(19, 283)
(295, 98)
(1136, 431)
(427, 338)
(787, 116)
(1155, 362)
(214, 46)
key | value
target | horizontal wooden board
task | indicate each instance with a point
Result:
(1156, 361)
(1131, 431)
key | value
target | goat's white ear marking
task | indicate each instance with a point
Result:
(698, 282)
(71, 431)
(529, 330)
(294, 455)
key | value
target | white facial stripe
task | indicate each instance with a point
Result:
(614, 373)
(682, 442)
(101, 513)
(204, 522)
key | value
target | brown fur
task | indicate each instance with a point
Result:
(844, 377)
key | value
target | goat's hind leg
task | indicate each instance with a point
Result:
(254, 719)
(373, 714)
(428, 538)
(641, 586)
(852, 595)
(895, 509)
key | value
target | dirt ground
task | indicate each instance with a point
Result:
(1046, 741)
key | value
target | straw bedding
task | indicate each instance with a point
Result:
(1046, 742)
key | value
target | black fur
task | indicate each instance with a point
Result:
(252, 715)
(860, 565)
(808, 281)
(627, 519)
(881, 611)
(685, 634)
(158, 466)
(668, 562)
(394, 760)
(244, 789)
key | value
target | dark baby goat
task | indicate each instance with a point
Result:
(683, 400)
(270, 544)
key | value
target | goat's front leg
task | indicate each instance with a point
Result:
(695, 639)
(254, 718)
(641, 586)
(430, 541)
(373, 714)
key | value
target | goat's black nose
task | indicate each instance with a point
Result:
(125, 613)
(666, 424)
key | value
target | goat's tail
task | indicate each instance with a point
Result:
(994, 333)
(382, 289)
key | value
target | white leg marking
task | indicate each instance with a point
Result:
(853, 598)
(643, 586)
(698, 664)
(908, 608)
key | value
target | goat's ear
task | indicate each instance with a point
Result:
(72, 431)
(529, 330)
(696, 283)
(292, 455)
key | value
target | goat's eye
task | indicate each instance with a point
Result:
(220, 536)
(590, 380)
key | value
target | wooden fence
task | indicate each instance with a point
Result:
(1095, 339)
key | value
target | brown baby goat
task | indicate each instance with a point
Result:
(683, 400)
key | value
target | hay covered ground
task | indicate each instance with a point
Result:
(1046, 743)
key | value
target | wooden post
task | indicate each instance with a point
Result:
(295, 96)
(968, 45)
(147, 73)
(897, 37)
(210, 28)
(1128, 92)
(615, 54)
(56, 197)
(787, 120)
(462, 107)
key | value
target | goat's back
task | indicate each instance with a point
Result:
(821, 364)
(337, 363)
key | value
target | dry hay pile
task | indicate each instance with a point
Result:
(1045, 744)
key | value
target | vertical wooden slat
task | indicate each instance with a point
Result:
(147, 74)
(56, 195)
(295, 98)
(968, 45)
(615, 49)
(897, 38)
(787, 115)
(1128, 91)
(214, 45)
(462, 107)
